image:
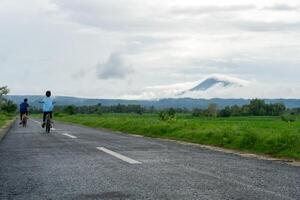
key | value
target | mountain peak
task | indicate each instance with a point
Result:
(223, 81)
(208, 83)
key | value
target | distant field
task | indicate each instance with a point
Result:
(267, 135)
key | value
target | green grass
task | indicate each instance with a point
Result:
(266, 135)
(4, 118)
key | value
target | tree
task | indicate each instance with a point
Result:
(6, 105)
(3, 91)
(226, 112)
(212, 110)
(70, 110)
(235, 110)
(277, 109)
(197, 112)
(257, 107)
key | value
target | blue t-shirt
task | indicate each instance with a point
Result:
(47, 104)
(23, 107)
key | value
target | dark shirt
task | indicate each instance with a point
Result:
(23, 107)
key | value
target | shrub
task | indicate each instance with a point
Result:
(8, 106)
(287, 117)
(70, 110)
(169, 114)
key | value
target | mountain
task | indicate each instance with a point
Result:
(213, 81)
(212, 84)
(188, 103)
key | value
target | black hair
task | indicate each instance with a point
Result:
(48, 93)
(25, 100)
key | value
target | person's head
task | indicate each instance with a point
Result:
(48, 93)
(25, 100)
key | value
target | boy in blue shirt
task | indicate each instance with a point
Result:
(47, 106)
(23, 109)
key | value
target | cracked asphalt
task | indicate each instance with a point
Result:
(67, 164)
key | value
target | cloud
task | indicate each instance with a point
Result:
(115, 16)
(176, 90)
(212, 9)
(281, 7)
(162, 42)
(239, 89)
(114, 68)
(261, 26)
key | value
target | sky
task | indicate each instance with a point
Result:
(143, 49)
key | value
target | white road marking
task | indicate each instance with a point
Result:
(68, 135)
(39, 123)
(117, 155)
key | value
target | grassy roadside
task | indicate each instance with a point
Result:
(4, 122)
(4, 118)
(266, 135)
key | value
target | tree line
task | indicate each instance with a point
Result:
(256, 107)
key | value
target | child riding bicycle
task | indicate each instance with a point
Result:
(47, 106)
(23, 109)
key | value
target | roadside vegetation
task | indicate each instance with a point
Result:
(267, 135)
(277, 134)
(7, 108)
(4, 118)
(257, 127)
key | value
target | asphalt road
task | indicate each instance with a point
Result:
(75, 162)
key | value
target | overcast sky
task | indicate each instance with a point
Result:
(119, 48)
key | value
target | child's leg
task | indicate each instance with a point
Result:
(44, 116)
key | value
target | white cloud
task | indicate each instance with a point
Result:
(238, 89)
(211, 9)
(114, 67)
(282, 7)
(55, 43)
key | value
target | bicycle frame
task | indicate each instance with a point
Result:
(24, 120)
(48, 123)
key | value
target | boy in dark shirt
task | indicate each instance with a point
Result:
(23, 109)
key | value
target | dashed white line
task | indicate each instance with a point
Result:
(117, 155)
(68, 135)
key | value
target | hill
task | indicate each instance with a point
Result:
(162, 103)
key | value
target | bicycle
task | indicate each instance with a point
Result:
(24, 120)
(48, 123)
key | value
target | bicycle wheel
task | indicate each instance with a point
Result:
(48, 126)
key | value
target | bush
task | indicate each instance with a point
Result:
(8, 107)
(169, 114)
(225, 112)
(70, 110)
(287, 117)
(197, 112)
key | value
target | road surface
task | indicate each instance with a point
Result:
(75, 162)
